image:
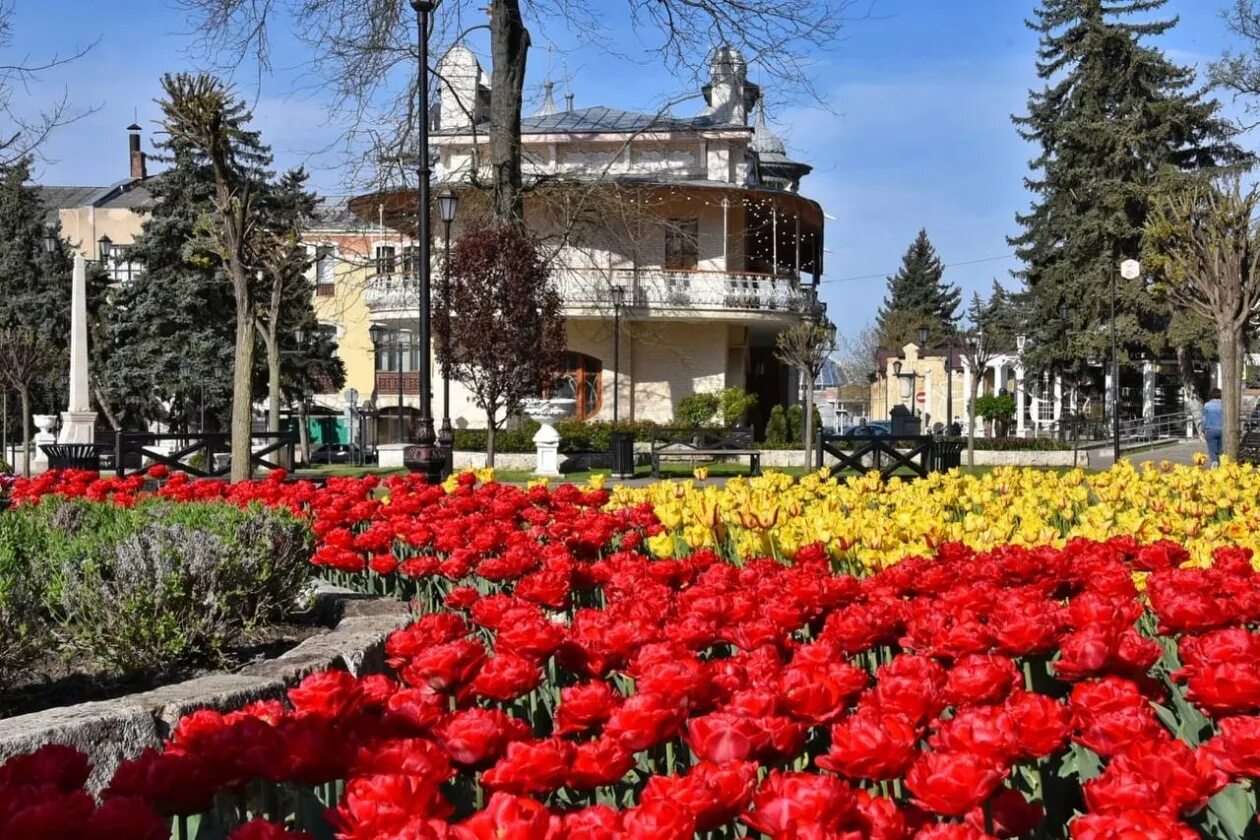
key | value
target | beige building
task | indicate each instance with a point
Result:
(696, 220)
(101, 222)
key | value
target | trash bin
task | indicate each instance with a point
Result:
(947, 454)
(73, 456)
(622, 444)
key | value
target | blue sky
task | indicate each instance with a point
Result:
(914, 131)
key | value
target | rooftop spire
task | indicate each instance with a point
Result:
(548, 106)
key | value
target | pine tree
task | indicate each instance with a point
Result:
(1114, 114)
(35, 284)
(918, 297)
(173, 325)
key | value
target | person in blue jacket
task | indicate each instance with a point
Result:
(1213, 425)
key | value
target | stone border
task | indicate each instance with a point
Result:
(112, 731)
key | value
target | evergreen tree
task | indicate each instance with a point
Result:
(35, 284)
(1113, 116)
(172, 327)
(918, 297)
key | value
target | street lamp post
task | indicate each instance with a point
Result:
(1129, 270)
(424, 457)
(448, 203)
(618, 300)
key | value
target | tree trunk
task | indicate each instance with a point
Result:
(971, 422)
(1185, 369)
(25, 394)
(509, 47)
(110, 416)
(304, 433)
(242, 390)
(1229, 340)
(273, 383)
(490, 430)
(809, 424)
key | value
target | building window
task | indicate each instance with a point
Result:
(385, 259)
(411, 261)
(324, 276)
(682, 244)
(582, 382)
(121, 268)
(387, 351)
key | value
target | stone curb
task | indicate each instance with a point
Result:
(112, 731)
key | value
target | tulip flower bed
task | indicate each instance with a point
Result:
(563, 683)
(867, 523)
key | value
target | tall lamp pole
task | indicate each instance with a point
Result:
(1129, 270)
(448, 203)
(424, 456)
(618, 300)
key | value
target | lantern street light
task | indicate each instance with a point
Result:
(424, 457)
(448, 203)
(50, 239)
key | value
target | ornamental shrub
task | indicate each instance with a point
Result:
(23, 630)
(795, 418)
(145, 587)
(777, 427)
(698, 409)
(736, 403)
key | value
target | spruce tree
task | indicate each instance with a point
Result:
(173, 325)
(918, 297)
(1114, 115)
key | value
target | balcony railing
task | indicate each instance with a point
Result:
(656, 288)
(651, 288)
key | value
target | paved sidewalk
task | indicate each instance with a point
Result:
(1182, 452)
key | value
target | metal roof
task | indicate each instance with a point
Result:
(603, 119)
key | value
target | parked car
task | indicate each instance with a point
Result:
(337, 453)
(876, 429)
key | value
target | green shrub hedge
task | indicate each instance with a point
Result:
(141, 589)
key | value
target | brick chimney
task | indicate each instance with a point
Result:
(137, 157)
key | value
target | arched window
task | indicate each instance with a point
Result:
(582, 382)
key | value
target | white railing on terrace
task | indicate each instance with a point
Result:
(651, 288)
(657, 288)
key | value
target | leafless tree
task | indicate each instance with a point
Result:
(23, 132)
(805, 346)
(367, 54)
(24, 358)
(201, 112)
(856, 354)
(1204, 244)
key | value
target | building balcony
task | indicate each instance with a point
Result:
(650, 292)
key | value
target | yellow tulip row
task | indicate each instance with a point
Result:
(868, 523)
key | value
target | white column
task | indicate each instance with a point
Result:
(78, 422)
(1019, 400)
(1058, 398)
(1148, 389)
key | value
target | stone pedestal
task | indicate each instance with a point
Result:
(77, 427)
(547, 450)
(547, 439)
(43, 422)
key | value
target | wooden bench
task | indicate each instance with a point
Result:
(694, 444)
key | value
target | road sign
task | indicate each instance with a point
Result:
(921, 397)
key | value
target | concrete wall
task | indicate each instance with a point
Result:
(83, 227)
(673, 360)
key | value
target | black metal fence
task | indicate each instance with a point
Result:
(889, 455)
(132, 450)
